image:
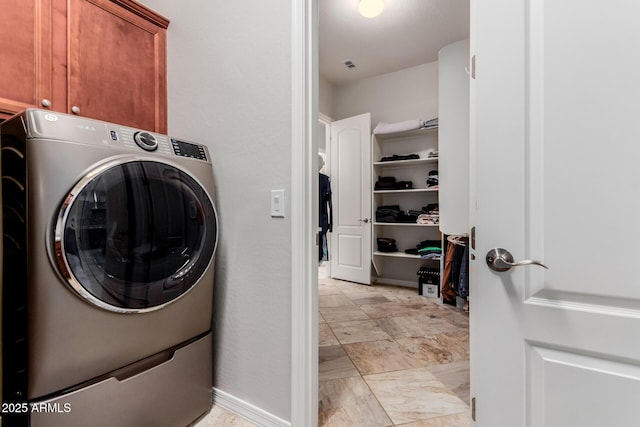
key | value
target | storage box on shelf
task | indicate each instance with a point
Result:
(398, 267)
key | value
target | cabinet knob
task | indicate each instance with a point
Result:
(46, 103)
(75, 109)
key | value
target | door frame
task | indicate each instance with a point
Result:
(304, 213)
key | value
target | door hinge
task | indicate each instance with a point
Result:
(473, 409)
(473, 67)
(473, 237)
(317, 239)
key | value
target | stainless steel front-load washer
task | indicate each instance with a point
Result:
(107, 284)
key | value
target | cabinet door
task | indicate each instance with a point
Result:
(25, 54)
(117, 64)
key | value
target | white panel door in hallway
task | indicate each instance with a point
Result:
(557, 143)
(350, 252)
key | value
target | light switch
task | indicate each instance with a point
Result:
(277, 203)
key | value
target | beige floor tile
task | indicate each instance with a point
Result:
(348, 402)
(381, 356)
(436, 350)
(413, 395)
(395, 309)
(335, 363)
(358, 331)
(455, 376)
(416, 326)
(326, 336)
(350, 287)
(328, 289)
(456, 317)
(458, 420)
(326, 301)
(367, 298)
(343, 314)
(219, 417)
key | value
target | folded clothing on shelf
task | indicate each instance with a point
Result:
(429, 215)
(387, 213)
(427, 219)
(427, 249)
(398, 157)
(392, 213)
(382, 128)
(428, 124)
(390, 183)
(432, 179)
(431, 208)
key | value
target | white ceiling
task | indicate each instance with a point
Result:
(405, 34)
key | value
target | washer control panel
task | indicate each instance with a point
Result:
(83, 130)
(188, 149)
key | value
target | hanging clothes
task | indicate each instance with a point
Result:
(447, 291)
(325, 214)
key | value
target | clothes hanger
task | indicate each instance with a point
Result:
(461, 240)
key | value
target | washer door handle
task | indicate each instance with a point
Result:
(500, 260)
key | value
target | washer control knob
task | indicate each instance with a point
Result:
(146, 141)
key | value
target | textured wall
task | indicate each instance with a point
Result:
(229, 87)
(407, 94)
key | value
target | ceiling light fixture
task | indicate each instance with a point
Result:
(370, 8)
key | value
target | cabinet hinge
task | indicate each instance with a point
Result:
(473, 409)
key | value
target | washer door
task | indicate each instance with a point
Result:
(134, 236)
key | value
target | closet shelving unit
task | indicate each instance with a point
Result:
(400, 268)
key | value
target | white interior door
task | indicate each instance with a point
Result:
(350, 152)
(556, 146)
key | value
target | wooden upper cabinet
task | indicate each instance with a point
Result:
(117, 64)
(105, 59)
(25, 54)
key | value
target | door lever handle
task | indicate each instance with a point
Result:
(499, 259)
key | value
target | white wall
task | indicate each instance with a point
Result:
(229, 87)
(411, 93)
(325, 93)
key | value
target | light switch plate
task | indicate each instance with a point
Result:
(277, 203)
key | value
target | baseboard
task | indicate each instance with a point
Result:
(387, 281)
(246, 410)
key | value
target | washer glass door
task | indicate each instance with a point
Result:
(134, 236)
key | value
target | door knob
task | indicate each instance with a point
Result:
(501, 260)
(75, 109)
(366, 220)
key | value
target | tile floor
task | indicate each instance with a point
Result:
(388, 357)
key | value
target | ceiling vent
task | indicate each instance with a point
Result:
(349, 64)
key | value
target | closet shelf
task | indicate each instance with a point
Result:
(403, 255)
(406, 162)
(412, 190)
(404, 134)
